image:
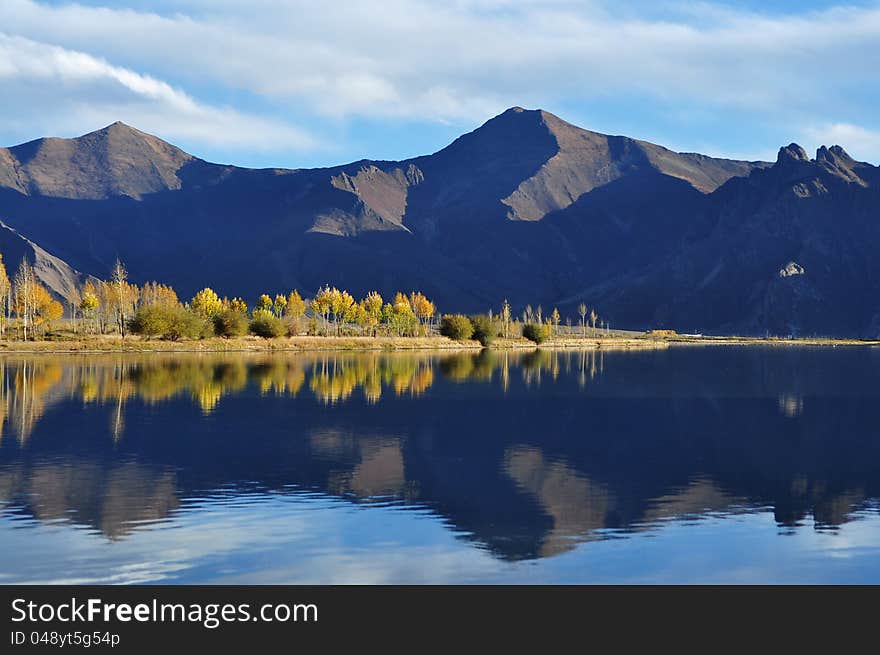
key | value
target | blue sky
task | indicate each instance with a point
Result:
(293, 83)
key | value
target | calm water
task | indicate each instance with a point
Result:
(684, 465)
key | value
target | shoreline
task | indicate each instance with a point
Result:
(113, 343)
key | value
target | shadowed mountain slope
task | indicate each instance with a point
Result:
(527, 207)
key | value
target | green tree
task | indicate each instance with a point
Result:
(172, 322)
(484, 329)
(230, 323)
(456, 326)
(266, 324)
(536, 332)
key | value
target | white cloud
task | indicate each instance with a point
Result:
(396, 60)
(464, 60)
(65, 89)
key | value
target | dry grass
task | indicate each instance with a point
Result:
(113, 343)
(71, 343)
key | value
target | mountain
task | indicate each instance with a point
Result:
(790, 249)
(527, 207)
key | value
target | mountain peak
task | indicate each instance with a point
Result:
(119, 130)
(792, 153)
(834, 155)
(118, 126)
(116, 160)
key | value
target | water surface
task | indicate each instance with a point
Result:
(712, 464)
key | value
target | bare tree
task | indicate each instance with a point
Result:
(25, 296)
(593, 317)
(118, 279)
(582, 310)
(5, 297)
(74, 299)
(505, 318)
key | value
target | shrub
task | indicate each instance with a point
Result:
(292, 325)
(536, 332)
(230, 323)
(456, 326)
(267, 325)
(484, 330)
(169, 322)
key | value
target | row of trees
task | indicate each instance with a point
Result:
(118, 306)
(509, 326)
(535, 326)
(331, 312)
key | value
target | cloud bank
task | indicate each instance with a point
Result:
(417, 60)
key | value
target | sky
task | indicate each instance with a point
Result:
(294, 83)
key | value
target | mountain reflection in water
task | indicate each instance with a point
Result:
(523, 455)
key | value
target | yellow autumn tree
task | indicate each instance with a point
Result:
(236, 305)
(206, 303)
(421, 306)
(322, 303)
(153, 294)
(341, 303)
(296, 306)
(279, 304)
(47, 310)
(372, 306)
(88, 303)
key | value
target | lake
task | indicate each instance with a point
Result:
(689, 464)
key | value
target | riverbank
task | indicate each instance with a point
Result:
(113, 343)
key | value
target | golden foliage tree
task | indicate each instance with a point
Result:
(236, 305)
(421, 306)
(265, 303)
(372, 306)
(279, 304)
(206, 303)
(47, 310)
(153, 294)
(88, 303)
(296, 306)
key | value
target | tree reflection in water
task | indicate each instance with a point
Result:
(524, 454)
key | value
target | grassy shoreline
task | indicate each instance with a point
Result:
(113, 343)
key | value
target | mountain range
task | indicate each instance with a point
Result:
(526, 207)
